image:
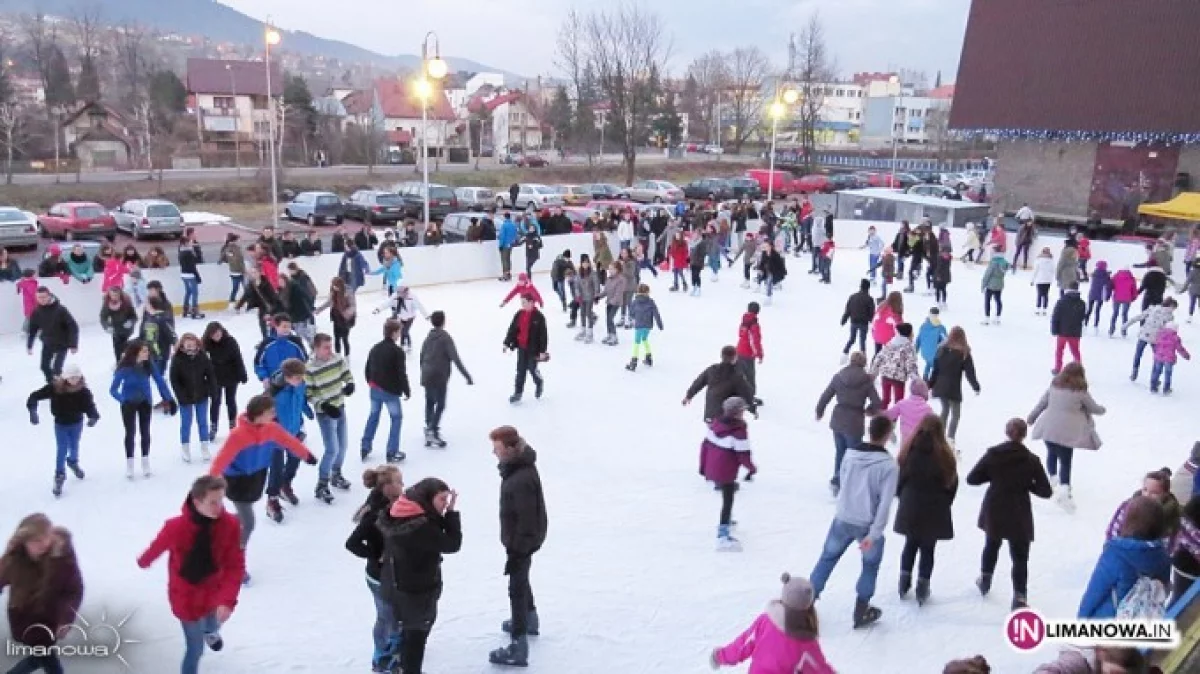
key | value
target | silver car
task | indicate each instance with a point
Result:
(474, 198)
(18, 229)
(530, 194)
(655, 191)
(149, 217)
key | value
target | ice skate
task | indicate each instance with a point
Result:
(129, 468)
(514, 399)
(146, 466)
(571, 325)
(205, 456)
(1063, 498)
(996, 321)
(769, 301)
(438, 442)
(289, 494)
(322, 492)
(984, 584)
(745, 285)
(397, 457)
(588, 338)
(214, 641)
(632, 366)
(922, 592)
(186, 451)
(865, 614)
(538, 387)
(274, 510)
(339, 482)
(613, 340)
(516, 654)
(428, 438)
(1019, 602)
(75, 469)
(59, 479)
(648, 360)
(532, 625)
(904, 585)
(581, 335)
(725, 540)
(985, 321)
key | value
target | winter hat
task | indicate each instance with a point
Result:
(798, 593)
(919, 389)
(753, 308)
(72, 371)
(566, 252)
(55, 249)
(733, 405)
(1101, 265)
(522, 278)
(904, 330)
(1196, 452)
(934, 311)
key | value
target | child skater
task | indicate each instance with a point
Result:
(405, 306)
(585, 287)
(27, 289)
(1099, 292)
(783, 638)
(290, 392)
(911, 411)
(1193, 288)
(643, 314)
(726, 447)
(1044, 269)
(194, 381)
(747, 251)
(70, 401)
(677, 252)
(887, 272)
(525, 285)
(1167, 349)
(896, 363)
(131, 388)
(825, 264)
(929, 338)
(614, 294)
(630, 272)
(941, 277)
(696, 258)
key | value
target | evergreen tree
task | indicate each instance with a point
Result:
(89, 80)
(668, 125)
(168, 98)
(299, 102)
(59, 90)
(559, 115)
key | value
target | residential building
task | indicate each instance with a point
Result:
(231, 100)
(27, 90)
(905, 118)
(394, 110)
(98, 136)
(513, 123)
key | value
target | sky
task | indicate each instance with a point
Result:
(519, 35)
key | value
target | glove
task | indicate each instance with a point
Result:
(301, 436)
(330, 410)
(348, 389)
(92, 421)
(311, 459)
(749, 476)
(33, 417)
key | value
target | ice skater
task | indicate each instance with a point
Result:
(643, 312)
(70, 401)
(725, 449)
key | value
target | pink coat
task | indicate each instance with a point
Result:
(910, 412)
(1168, 346)
(114, 274)
(771, 651)
(998, 239)
(883, 329)
(27, 287)
(1124, 286)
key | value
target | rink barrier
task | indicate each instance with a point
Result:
(423, 266)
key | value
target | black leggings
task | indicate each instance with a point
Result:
(696, 272)
(229, 392)
(341, 339)
(912, 546)
(1019, 551)
(120, 339)
(405, 328)
(727, 492)
(1043, 296)
(139, 413)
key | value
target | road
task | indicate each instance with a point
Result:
(294, 173)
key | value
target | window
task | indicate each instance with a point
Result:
(838, 93)
(223, 102)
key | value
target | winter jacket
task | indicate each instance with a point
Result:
(1154, 284)
(993, 276)
(193, 378)
(923, 510)
(523, 520)
(353, 269)
(261, 297)
(232, 255)
(678, 253)
(883, 329)
(191, 602)
(644, 312)
(10, 271)
(1067, 271)
(272, 352)
(1065, 417)
(585, 287)
(68, 404)
(538, 341)
(1152, 320)
(54, 265)
(909, 412)
(726, 447)
(438, 352)
(227, 362)
(860, 308)
(1168, 346)
(506, 237)
(405, 305)
(1182, 479)
(298, 298)
(723, 381)
(392, 272)
(698, 253)
(291, 403)
(1012, 473)
(415, 540)
(1068, 316)
(119, 321)
(366, 541)
(897, 361)
(1044, 270)
(949, 366)
(311, 247)
(868, 485)
(772, 264)
(750, 337)
(189, 257)
(325, 381)
(385, 369)
(614, 289)
(131, 384)
(56, 325)
(1084, 247)
(80, 267)
(1124, 286)
(1101, 287)
(1121, 564)
(558, 269)
(941, 271)
(1193, 280)
(771, 650)
(158, 331)
(246, 454)
(61, 601)
(856, 396)
(929, 338)
(523, 286)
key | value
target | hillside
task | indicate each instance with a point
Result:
(220, 23)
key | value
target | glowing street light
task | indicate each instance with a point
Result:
(783, 99)
(432, 68)
(271, 38)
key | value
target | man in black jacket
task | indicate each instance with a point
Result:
(1066, 323)
(59, 331)
(523, 525)
(388, 381)
(723, 380)
(527, 336)
(860, 309)
(438, 353)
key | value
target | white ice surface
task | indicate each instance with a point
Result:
(203, 218)
(628, 580)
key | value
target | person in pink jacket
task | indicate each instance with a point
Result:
(783, 639)
(1124, 291)
(115, 270)
(910, 411)
(998, 239)
(1167, 349)
(889, 314)
(27, 289)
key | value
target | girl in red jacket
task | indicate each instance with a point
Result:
(677, 253)
(205, 567)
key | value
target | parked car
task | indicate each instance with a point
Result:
(442, 200)
(877, 179)
(474, 198)
(845, 181)
(815, 183)
(745, 188)
(708, 188)
(530, 194)
(950, 179)
(929, 177)
(713, 149)
(606, 191)
(654, 191)
(779, 183)
(935, 191)
(315, 208)
(149, 217)
(907, 180)
(376, 207)
(454, 226)
(532, 161)
(573, 195)
(18, 229)
(77, 219)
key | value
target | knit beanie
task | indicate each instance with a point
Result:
(798, 593)
(919, 389)
(733, 405)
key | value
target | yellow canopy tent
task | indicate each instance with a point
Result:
(1186, 206)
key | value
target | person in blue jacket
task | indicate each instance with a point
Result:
(272, 352)
(291, 406)
(391, 268)
(131, 388)
(353, 268)
(1139, 551)
(506, 238)
(929, 338)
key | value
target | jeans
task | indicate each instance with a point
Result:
(872, 265)
(526, 365)
(913, 546)
(1193, 300)
(988, 296)
(52, 361)
(47, 663)
(386, 631)
(841, 442)
(235, 284)
(1119, 309)
(841, 535)
(191, 294)
(859, 330)
(1019, 552)
(560, 289)
(506, 261)
(770, 283)
(199, 411)
(136, 417)
(1093, 311)
(1056, 454)
(951, 410)
(380, 399)
(1064, 343)
(405, 330)
(610, 315)
(283, 469)
(677, 279)
(696, 271)
(66, 439)
(229, 393)
(193, 641)
(520, 593)
(333, 437)
(1137, 356)
(1022, 248)
(1161, 369)
(1043, 295)
(435, 405)
(825, 266)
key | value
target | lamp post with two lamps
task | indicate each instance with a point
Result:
(433, 68)
(896, 114)
(783, 99)
(271, 38)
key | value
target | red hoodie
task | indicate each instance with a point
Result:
(192, 602)
(678, 252)
(523, 287)
(750, 337)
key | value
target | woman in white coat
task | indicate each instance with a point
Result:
(1043, 275)
(1064, 420)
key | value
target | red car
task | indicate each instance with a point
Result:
(815, 183)
(874, 179)
(77, 220)
(532, 161)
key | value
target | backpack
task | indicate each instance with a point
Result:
(1146, 600)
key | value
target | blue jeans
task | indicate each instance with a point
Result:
(1121, 309)
(66, 438)
(235, 284)
(872, 264)
(928, 370)
(841, 535)
(193, 641)
(841, 442)
(283, 469)
(385, 634)
(860, 330)
(1059, 454)
(378, 400)
(679, 280)
(1164, 370)
(191, 294)
(333, 436)
(1137, 356)
(186, 413)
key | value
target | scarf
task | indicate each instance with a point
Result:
(199, 563)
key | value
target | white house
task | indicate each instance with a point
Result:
(231, 99)
(396, 112)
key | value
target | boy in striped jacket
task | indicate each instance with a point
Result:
(327, 382)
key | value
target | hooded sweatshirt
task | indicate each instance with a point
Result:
(1101, 288)
(1122, 562)
(868, 478)
(930, 337)
(1124, 286)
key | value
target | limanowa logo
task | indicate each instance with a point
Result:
(1026, 631)
(102, 638)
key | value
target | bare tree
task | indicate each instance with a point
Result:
(12, 134)
(133, 71)
(748, 68)
(571, 59)
(711, 75)
(86, 25)
(814, 67)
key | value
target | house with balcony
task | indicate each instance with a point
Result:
(231, 101)
(391, 107)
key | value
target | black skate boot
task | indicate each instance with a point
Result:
(274, 510)
(1019, 602)
(632, 366)
(428, 438)
(397, 457)
(75, 469)
(514, 399)
(865, 614)
(515, 654)
(538, 387)
(59, 479)
(922, 593)
(648, 360)
(438, 442)
(339, 482)
(289, 495)
(214, 641)
(322, 491)
(531, 625)
(905, 584)
(984, 583)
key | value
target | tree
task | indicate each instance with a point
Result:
(689, 100)
(86, 25)
(301, 115)
(814, 68)
(748, 69)
(711, 76)
(88, 88)
(167, 99)
(559, 116)
(59, 90)
(668, 125)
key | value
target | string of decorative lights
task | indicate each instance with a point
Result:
(1047, 135)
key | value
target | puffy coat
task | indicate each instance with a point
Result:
(949, 366)
(1068, 316)
(121, 321)
(1101, 287)
(909, 412)
(68, 403)
(1012, 473)
(925, 499)
(523, 519)
(726, 447)
(416, 539)
(856, 396)
(1168, 346)
(897, 360)
(929, 338)
(1064, 417)
(1124, 286)
(1154, 284)
(55, 324)
(366, 541)
(993, 276)
(678, 253)
(1152, 320)
(644, 313)
(860, 308)
(1044, 270)
(226, 356)
(192, 377)
(59, 605)
(883, 329)
(750, 337)
(723, 381)
(771, 650)
(272, 352)
(1121, 564)
(193, 601)
(114, 273)
(1067, 271)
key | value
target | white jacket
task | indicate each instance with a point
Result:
(1043, 270)
(625, 230)
(406, 308)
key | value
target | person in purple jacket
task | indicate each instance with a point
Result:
(1099, 292)
(726, 448)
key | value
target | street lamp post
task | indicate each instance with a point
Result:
(237, 143)
(783, 99)
(271, 38)
(895, 134)
(433, 68)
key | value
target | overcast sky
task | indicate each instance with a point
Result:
(519, 35)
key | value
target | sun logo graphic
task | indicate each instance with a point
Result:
(101, 638)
